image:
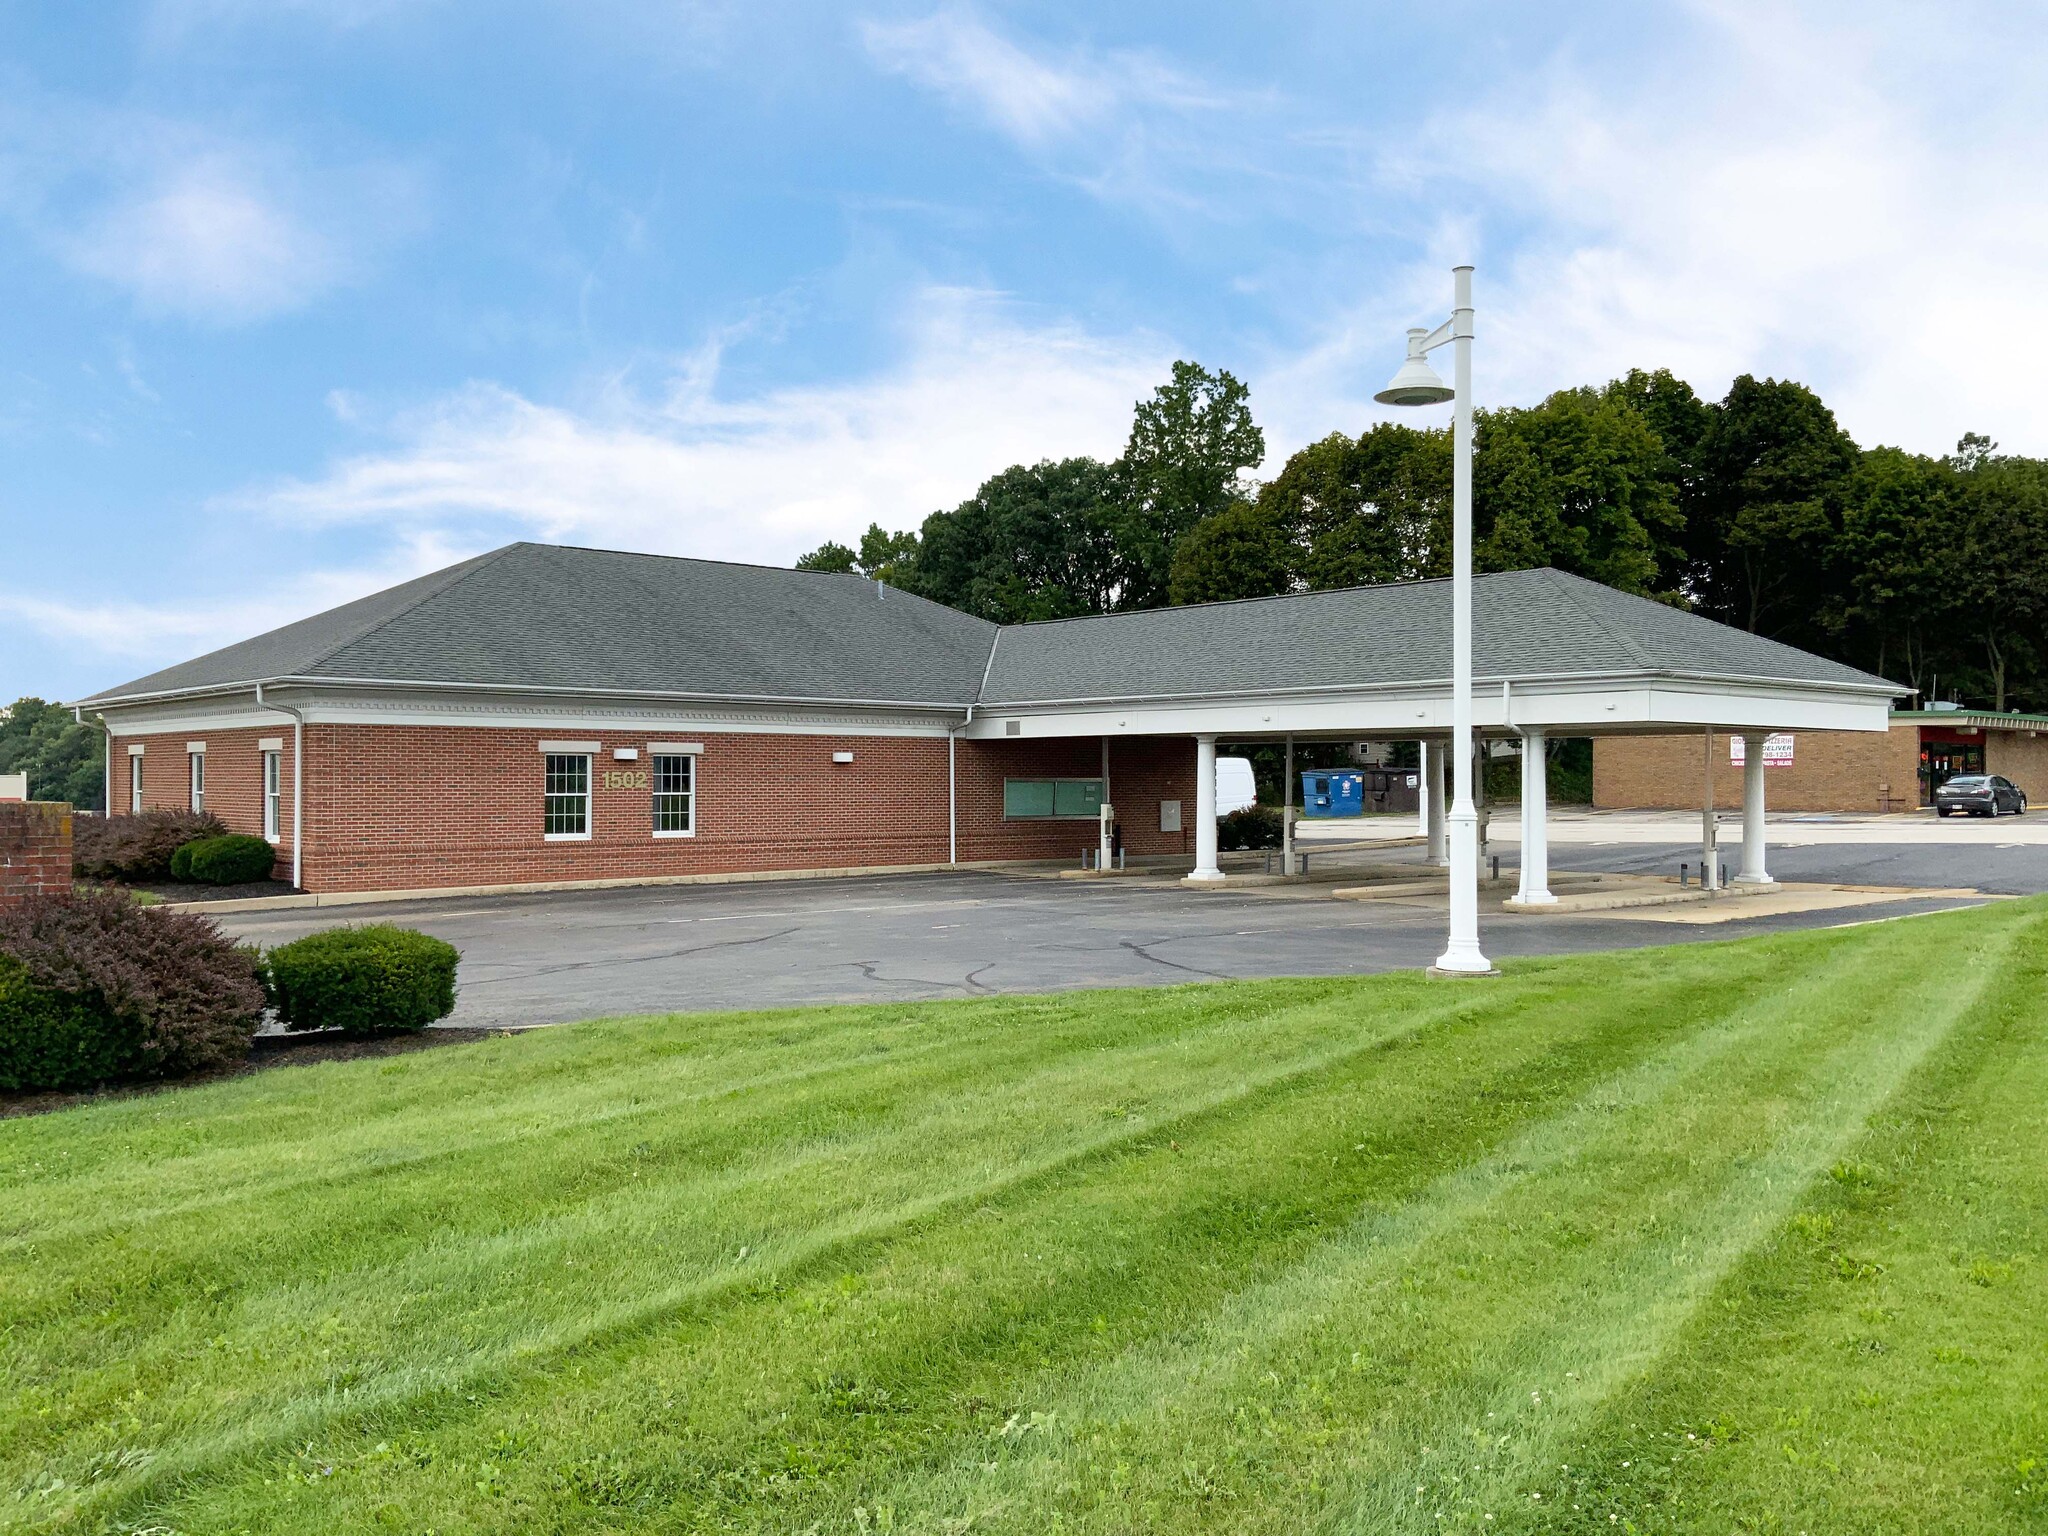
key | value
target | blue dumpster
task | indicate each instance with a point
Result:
(1332, 794)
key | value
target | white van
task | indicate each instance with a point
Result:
(1235, 788)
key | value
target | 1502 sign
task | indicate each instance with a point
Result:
(622, 778)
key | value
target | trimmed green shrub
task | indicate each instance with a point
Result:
(363, 981)
(136, 847)
(95, 988)
(181, 861)
(1256, 826)
(51, 1039)
(235, 859)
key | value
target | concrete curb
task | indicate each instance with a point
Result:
(543, 887)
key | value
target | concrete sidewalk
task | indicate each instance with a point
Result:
(1578, 824)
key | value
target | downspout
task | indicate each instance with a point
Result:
(106, 759)
(952, 798)
(298, 779)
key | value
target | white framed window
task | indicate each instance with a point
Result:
(273, 796)
(565, 798)
(198, 762)
(134, 783)
(675, 795)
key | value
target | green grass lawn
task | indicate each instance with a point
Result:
(1737, 1237)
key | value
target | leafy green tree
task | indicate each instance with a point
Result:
(1189, 446)
(1681, 420)
(886, 556)
(1035, 542)
(1896, 565)
(1774, 464)
(1242, 551)
(2003, 566)
(831, 557)
(1580, 482)
(64, 759)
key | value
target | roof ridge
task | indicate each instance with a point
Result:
(1614, 632)
(457, 573)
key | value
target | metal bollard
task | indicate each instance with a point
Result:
(1683, 871)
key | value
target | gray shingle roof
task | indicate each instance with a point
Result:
(552, 617)
(1524, 624)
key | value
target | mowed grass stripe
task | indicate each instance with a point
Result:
(1209, 1227)
(1877, 1365)
(1274, 1417)
(475, 1309)
(1509, 1151)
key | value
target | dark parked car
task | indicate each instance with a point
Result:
(1980, 794)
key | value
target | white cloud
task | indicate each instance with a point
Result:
(759, 478)
(205, 240)
(1788, 191)
(961, 57)
(1124, 125)
(187, 220)
(149, 635)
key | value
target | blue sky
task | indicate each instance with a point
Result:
(304, 297)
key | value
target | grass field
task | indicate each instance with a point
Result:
(1743, 1237)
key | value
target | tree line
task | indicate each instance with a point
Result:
(1758, 510)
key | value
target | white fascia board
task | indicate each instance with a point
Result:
(564, 714)
(1590, 706)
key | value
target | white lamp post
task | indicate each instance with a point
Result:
(1417, 384)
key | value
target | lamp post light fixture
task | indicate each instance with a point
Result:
(1418, 384)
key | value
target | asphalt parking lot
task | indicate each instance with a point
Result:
(540, 959)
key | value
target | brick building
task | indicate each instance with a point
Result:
(549, 716)
(1829, 770)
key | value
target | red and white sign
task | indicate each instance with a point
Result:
(1777, 750)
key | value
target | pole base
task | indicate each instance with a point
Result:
(1203, 877)
(1437, 970)
(1753, 882)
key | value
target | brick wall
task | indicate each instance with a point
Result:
(415, 807)
(1829, 771)
(1142, 772)
(234, 779)
(35, 849)
(2021, 758)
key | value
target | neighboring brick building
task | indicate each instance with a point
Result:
(1829, 770)
(551, 716)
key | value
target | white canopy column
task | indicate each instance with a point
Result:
(1205, 810)
(1753, 870)
(1433, 811)
(1535, 887)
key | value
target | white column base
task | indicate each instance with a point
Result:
(1204, 877)
(1752, 882)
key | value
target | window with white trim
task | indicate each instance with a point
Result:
(198, 762)
(273, 796)
(135, 784)
(565, 799)
(675, 795)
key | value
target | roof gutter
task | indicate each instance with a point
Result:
(218, 690)
(1884, 690)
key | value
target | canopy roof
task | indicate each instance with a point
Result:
(550, 618)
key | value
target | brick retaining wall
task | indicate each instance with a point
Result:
(35, 850)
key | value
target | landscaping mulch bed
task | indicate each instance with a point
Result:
(264, 1052)
(173, 891)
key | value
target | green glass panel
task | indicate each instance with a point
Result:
(1027, 797)
(1077, 797)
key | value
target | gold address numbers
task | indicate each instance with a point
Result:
(623, 779)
